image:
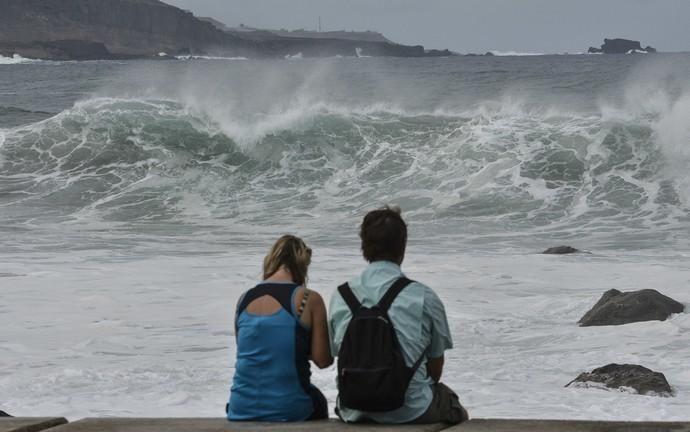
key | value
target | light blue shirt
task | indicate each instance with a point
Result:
(421, 326)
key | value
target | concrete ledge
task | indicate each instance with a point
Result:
(487, 425)
(222, 425)
(478, 425)
(26, 424)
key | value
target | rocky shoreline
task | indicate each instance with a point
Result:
(126, 29)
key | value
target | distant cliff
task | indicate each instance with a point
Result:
(102, 29)
(621, 46)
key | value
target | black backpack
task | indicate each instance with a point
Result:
(372, 375)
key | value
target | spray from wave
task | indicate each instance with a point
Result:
(500, 168)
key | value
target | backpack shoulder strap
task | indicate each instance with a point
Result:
(347, 295)
(395, 289)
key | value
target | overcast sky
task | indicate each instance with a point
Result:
(546, 26)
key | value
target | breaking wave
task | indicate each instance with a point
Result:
(496, 169)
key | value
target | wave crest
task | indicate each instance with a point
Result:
(128, 159)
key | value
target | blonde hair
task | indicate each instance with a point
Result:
(292, 253)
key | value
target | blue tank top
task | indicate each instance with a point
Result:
(271, 381)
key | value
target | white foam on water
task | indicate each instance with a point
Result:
(16, 59)
(359, 53)
(515, 54)
(154, 336)
(202, 57)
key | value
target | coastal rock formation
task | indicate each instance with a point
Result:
(626, 376)
(616, 308)
(124, 27)
(105, 29)
(439, 53)
(4, 414)
(621, 46)
(560, 250)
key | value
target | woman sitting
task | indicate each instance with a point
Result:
(279, 326)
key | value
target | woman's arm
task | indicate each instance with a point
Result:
(320, 343)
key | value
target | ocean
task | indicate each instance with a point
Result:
(137, 200)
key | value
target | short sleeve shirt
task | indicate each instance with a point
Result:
(420, 323)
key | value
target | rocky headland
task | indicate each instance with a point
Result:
(117, 29)
(621, 46)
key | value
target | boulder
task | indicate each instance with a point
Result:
(616, 308)
(626, 376)
(4, 414)
(560, 250)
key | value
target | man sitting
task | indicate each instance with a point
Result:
(420, 333)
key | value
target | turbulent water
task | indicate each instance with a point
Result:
(137, 199)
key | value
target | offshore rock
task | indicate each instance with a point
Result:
(621, 46)
(626, 376)
(560, 250)
(617, 308)
(4, 414)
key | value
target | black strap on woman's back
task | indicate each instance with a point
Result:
(282, 293)
(385, 302)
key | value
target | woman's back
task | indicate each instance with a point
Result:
(280, 326)
(272, 372)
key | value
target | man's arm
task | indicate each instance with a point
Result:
(434, 367)
(440, 335)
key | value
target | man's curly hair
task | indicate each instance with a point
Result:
(384, 235)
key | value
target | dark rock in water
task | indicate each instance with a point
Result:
(489, 54)
(4, 414)
(560, 250)
(644, 381)
(621, 46)
(616, 308)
